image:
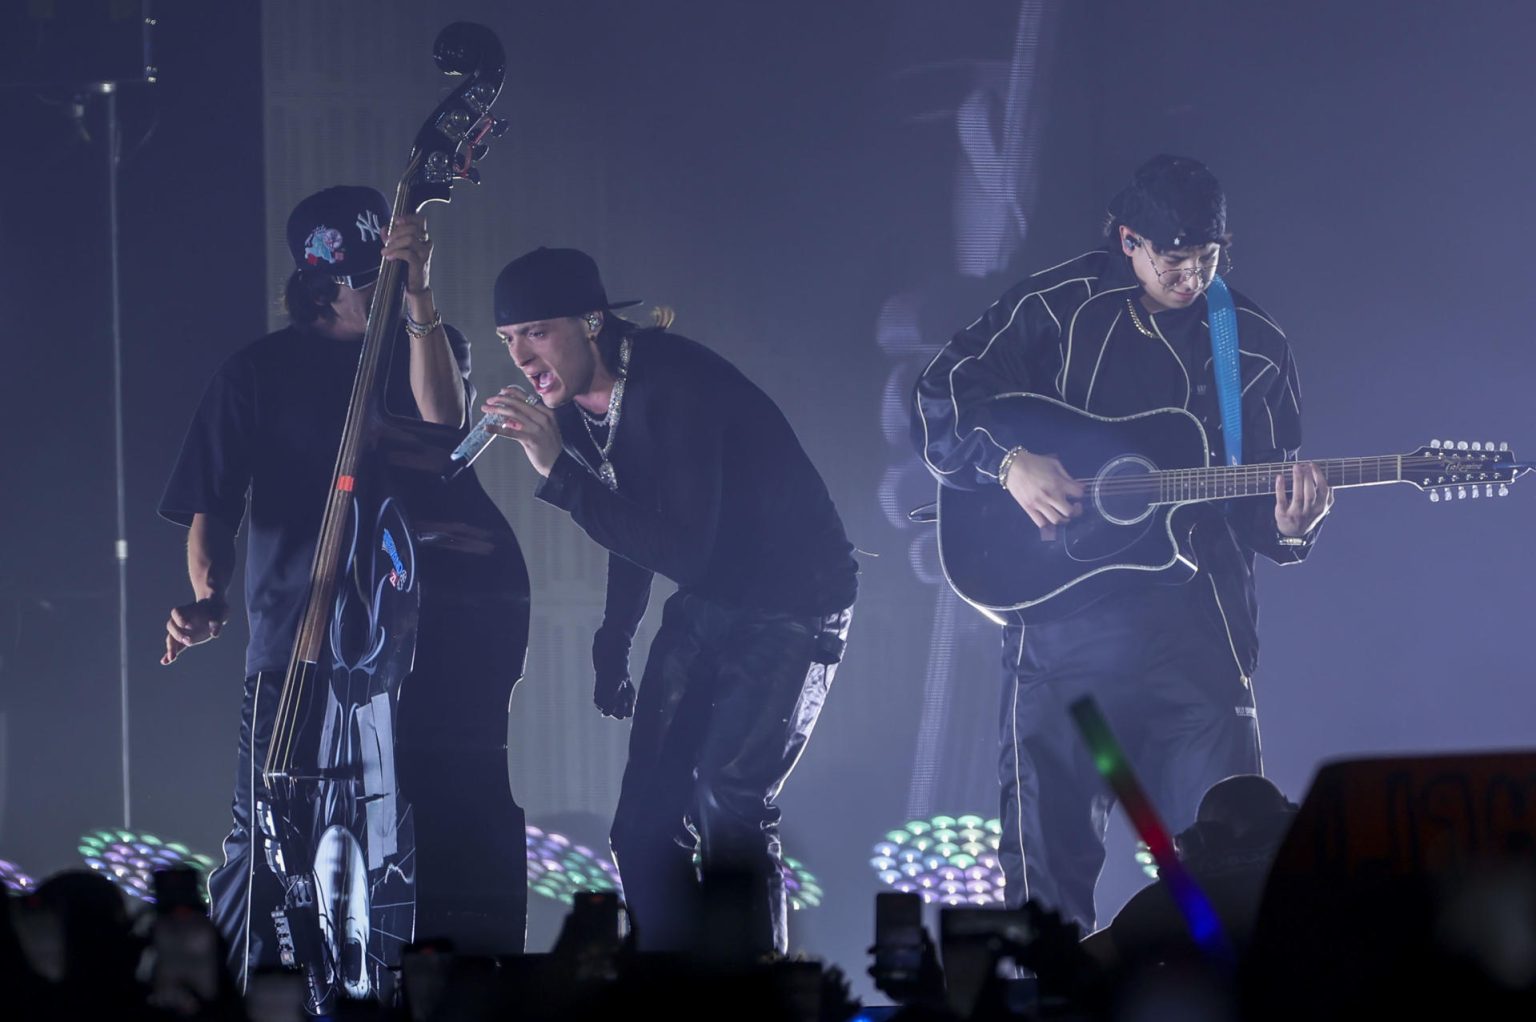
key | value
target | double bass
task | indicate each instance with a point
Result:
(384, 807)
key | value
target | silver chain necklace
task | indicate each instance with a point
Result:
(610, 417)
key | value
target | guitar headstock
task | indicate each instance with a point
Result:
(1457, 469)
(459, 132)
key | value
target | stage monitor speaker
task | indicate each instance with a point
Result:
(1418, 816)
(1367, 906)
(52, 45)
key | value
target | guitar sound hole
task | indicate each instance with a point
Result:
(1123, 493)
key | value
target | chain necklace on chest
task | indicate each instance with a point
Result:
(1130, 305)
(610, 419)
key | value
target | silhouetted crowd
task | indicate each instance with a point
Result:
(1461, 944)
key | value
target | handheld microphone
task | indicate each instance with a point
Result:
(478, 440)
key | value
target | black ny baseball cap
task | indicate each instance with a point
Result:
(340, 231)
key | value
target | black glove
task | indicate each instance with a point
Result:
(613, 692)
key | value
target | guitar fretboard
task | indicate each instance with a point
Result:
(1223, 481)
(1426, 469)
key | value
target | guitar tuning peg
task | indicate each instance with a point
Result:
(1475, 494)
(1435, 444)
(1477, 445)
(1503, 490)
(1461, 493)
(1447, 493)
(1488, 445)
(1504, 446)
(1461, 446)
(1488, 489)
(1434, 496)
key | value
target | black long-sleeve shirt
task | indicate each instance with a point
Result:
(715, 492)
(1067, 333)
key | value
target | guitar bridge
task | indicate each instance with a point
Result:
(286, 952)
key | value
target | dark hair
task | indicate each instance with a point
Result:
(1241, 822)
(1174, 202)
(308, 296)
(1112, 227)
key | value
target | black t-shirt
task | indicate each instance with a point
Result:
(263, 445)
(715, 491)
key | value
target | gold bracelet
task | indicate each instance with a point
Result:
(420, 330)
(1002, 470)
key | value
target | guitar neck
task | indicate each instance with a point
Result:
(1426, 469)
(1222, 482)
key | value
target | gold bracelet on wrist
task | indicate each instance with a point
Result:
(1002, 470)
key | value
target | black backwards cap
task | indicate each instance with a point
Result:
(550, 283)
(1173, 202)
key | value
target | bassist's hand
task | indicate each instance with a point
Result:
(1044, 489)
(407, 241)
(192, 624)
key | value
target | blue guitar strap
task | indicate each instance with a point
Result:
(1224, 362)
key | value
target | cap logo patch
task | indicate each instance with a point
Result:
(324, 243)
(368, 223)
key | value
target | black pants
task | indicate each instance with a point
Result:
(726, 705)
(469, 866)
(243, 892)
(1160, 665)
